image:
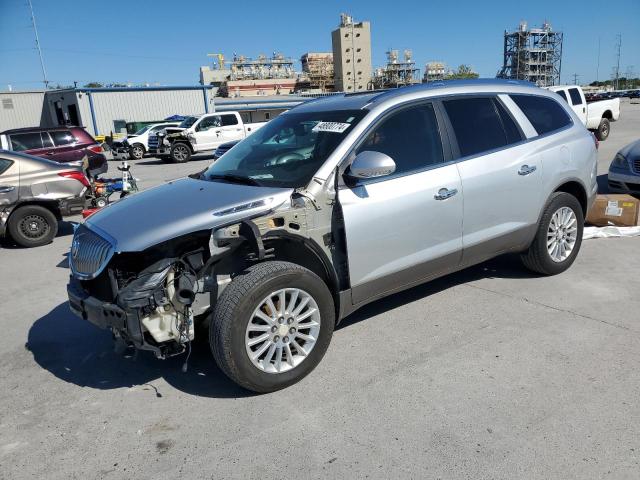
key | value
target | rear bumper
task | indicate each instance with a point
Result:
(72, 206)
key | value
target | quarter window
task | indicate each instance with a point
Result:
(25, 141)
(62, 138)
(562, 94)
(479, 126)
(545, 114)
(410, 137)
(4, 165)
(575, 96)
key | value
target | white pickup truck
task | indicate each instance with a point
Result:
(596, 116)
(197, 134)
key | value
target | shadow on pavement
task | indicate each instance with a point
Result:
(77, 352)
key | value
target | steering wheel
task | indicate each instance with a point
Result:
(287, 158)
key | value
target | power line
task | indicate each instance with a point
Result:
(35, 31)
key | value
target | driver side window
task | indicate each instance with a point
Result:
(208, 123)
(411, 137)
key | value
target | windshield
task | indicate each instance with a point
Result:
(287, 151)
(187, 122)
(143, 129)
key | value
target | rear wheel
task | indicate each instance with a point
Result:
(559, 236)
(136, 152)
(180, 152)
(32, 226)
(272, 326)
(603, 130)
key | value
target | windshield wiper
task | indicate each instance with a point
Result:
(229, 177)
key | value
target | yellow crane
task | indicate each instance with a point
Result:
(220, 58)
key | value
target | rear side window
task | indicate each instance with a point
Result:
(480, 124)
(62, 137)
(25, 141)
(545, 114)
(229, 120)
(4, 165)
(410, 137)
(562, 94)
(575, 96)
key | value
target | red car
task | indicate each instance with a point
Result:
(60, 144)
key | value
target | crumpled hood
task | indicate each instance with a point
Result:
(144, 219)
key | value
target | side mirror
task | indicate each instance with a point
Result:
(369, 164)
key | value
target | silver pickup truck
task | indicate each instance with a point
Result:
(338, 202)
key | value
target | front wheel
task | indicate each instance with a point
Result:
(603, 130)
(180, 153)
(272, 326)
(136, 152)
(559, 236)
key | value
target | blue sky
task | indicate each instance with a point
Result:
(156, 42)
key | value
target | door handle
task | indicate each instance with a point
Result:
(445, 193)
(6, 189)
(526, 169)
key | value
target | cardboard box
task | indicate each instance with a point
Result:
(614, 209)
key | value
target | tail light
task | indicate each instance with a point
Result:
(76, 175)
(95, 149)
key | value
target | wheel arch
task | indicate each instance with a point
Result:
(576, 188)
(608, 114)
(302, 251)
(51, 205)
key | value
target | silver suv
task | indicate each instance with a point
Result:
(336, 203)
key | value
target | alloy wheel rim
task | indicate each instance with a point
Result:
(180, 153)
(137, 152)
(562, 234)
(34, 226)
(282, 330)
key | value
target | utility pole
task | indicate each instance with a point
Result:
(617, 72)
(575, 78)
(35, 31)
(598, 65)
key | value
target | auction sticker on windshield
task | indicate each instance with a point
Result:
(334, 127)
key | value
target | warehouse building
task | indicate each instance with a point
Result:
(103, 111)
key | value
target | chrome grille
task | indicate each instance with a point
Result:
(636, 165)
(89, 254)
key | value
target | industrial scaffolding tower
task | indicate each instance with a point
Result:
(397, 73)
(534, 55)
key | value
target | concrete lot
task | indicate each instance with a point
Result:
(488, 373)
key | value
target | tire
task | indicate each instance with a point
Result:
(180, 152)
(602, 132)
(136, 152)
(101, 202)
(32, 226)
(236, 309)
(538, 257)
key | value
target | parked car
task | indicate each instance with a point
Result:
(333, 204)
(224, 148)
(597, 115)
(35, 193)
(197, 134)
(68, 145)
(134, 147)
(624, 170)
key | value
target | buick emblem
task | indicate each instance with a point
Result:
(75, 247)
